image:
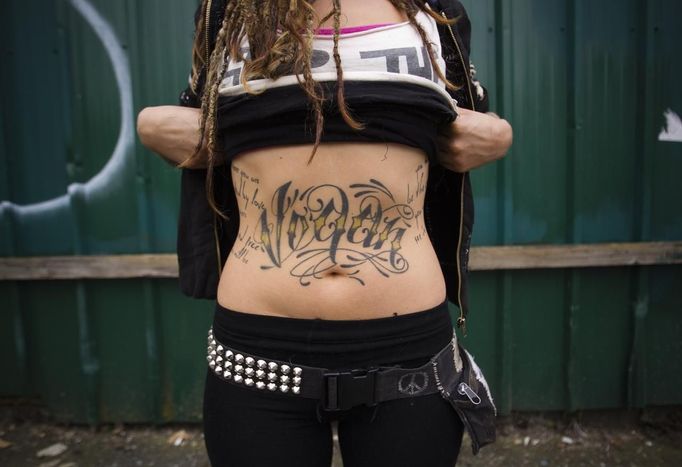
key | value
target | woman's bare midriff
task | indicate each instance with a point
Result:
(341, 238)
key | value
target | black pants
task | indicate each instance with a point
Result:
(244, 427)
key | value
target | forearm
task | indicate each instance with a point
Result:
(172, 132)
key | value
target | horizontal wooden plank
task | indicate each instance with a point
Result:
(574, 256)
(89, 267)
(482, 259)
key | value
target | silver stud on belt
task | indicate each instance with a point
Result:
(252, 371)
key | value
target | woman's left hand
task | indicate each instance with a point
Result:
(474, 139)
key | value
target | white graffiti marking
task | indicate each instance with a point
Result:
(111, 175)
(672, 131)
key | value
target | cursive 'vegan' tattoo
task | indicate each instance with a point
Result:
(320, 213)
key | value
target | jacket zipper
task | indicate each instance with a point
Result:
(207, 24)
(461, 320)
(217, 245)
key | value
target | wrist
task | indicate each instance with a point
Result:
(504, 136)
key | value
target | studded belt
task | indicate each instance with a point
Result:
(337, 390)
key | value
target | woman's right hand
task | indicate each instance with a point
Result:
(172, 132)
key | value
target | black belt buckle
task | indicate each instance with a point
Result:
(343, 390)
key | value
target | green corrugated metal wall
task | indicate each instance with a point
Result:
(585, 85)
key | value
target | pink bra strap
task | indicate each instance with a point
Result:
(330, 31)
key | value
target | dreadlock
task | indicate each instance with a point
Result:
(280, 37)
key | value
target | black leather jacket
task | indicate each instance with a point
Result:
(205, 239)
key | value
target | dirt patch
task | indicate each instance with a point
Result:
(644, 438)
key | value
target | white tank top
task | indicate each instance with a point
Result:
(391, 53)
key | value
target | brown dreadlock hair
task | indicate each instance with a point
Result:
(280, 37)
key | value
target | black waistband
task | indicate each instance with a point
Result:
(408, 338)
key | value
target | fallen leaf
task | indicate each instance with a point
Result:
(51, 451)
(4, 444)
(177, 438)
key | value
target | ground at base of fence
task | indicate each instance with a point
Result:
(649, 438)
